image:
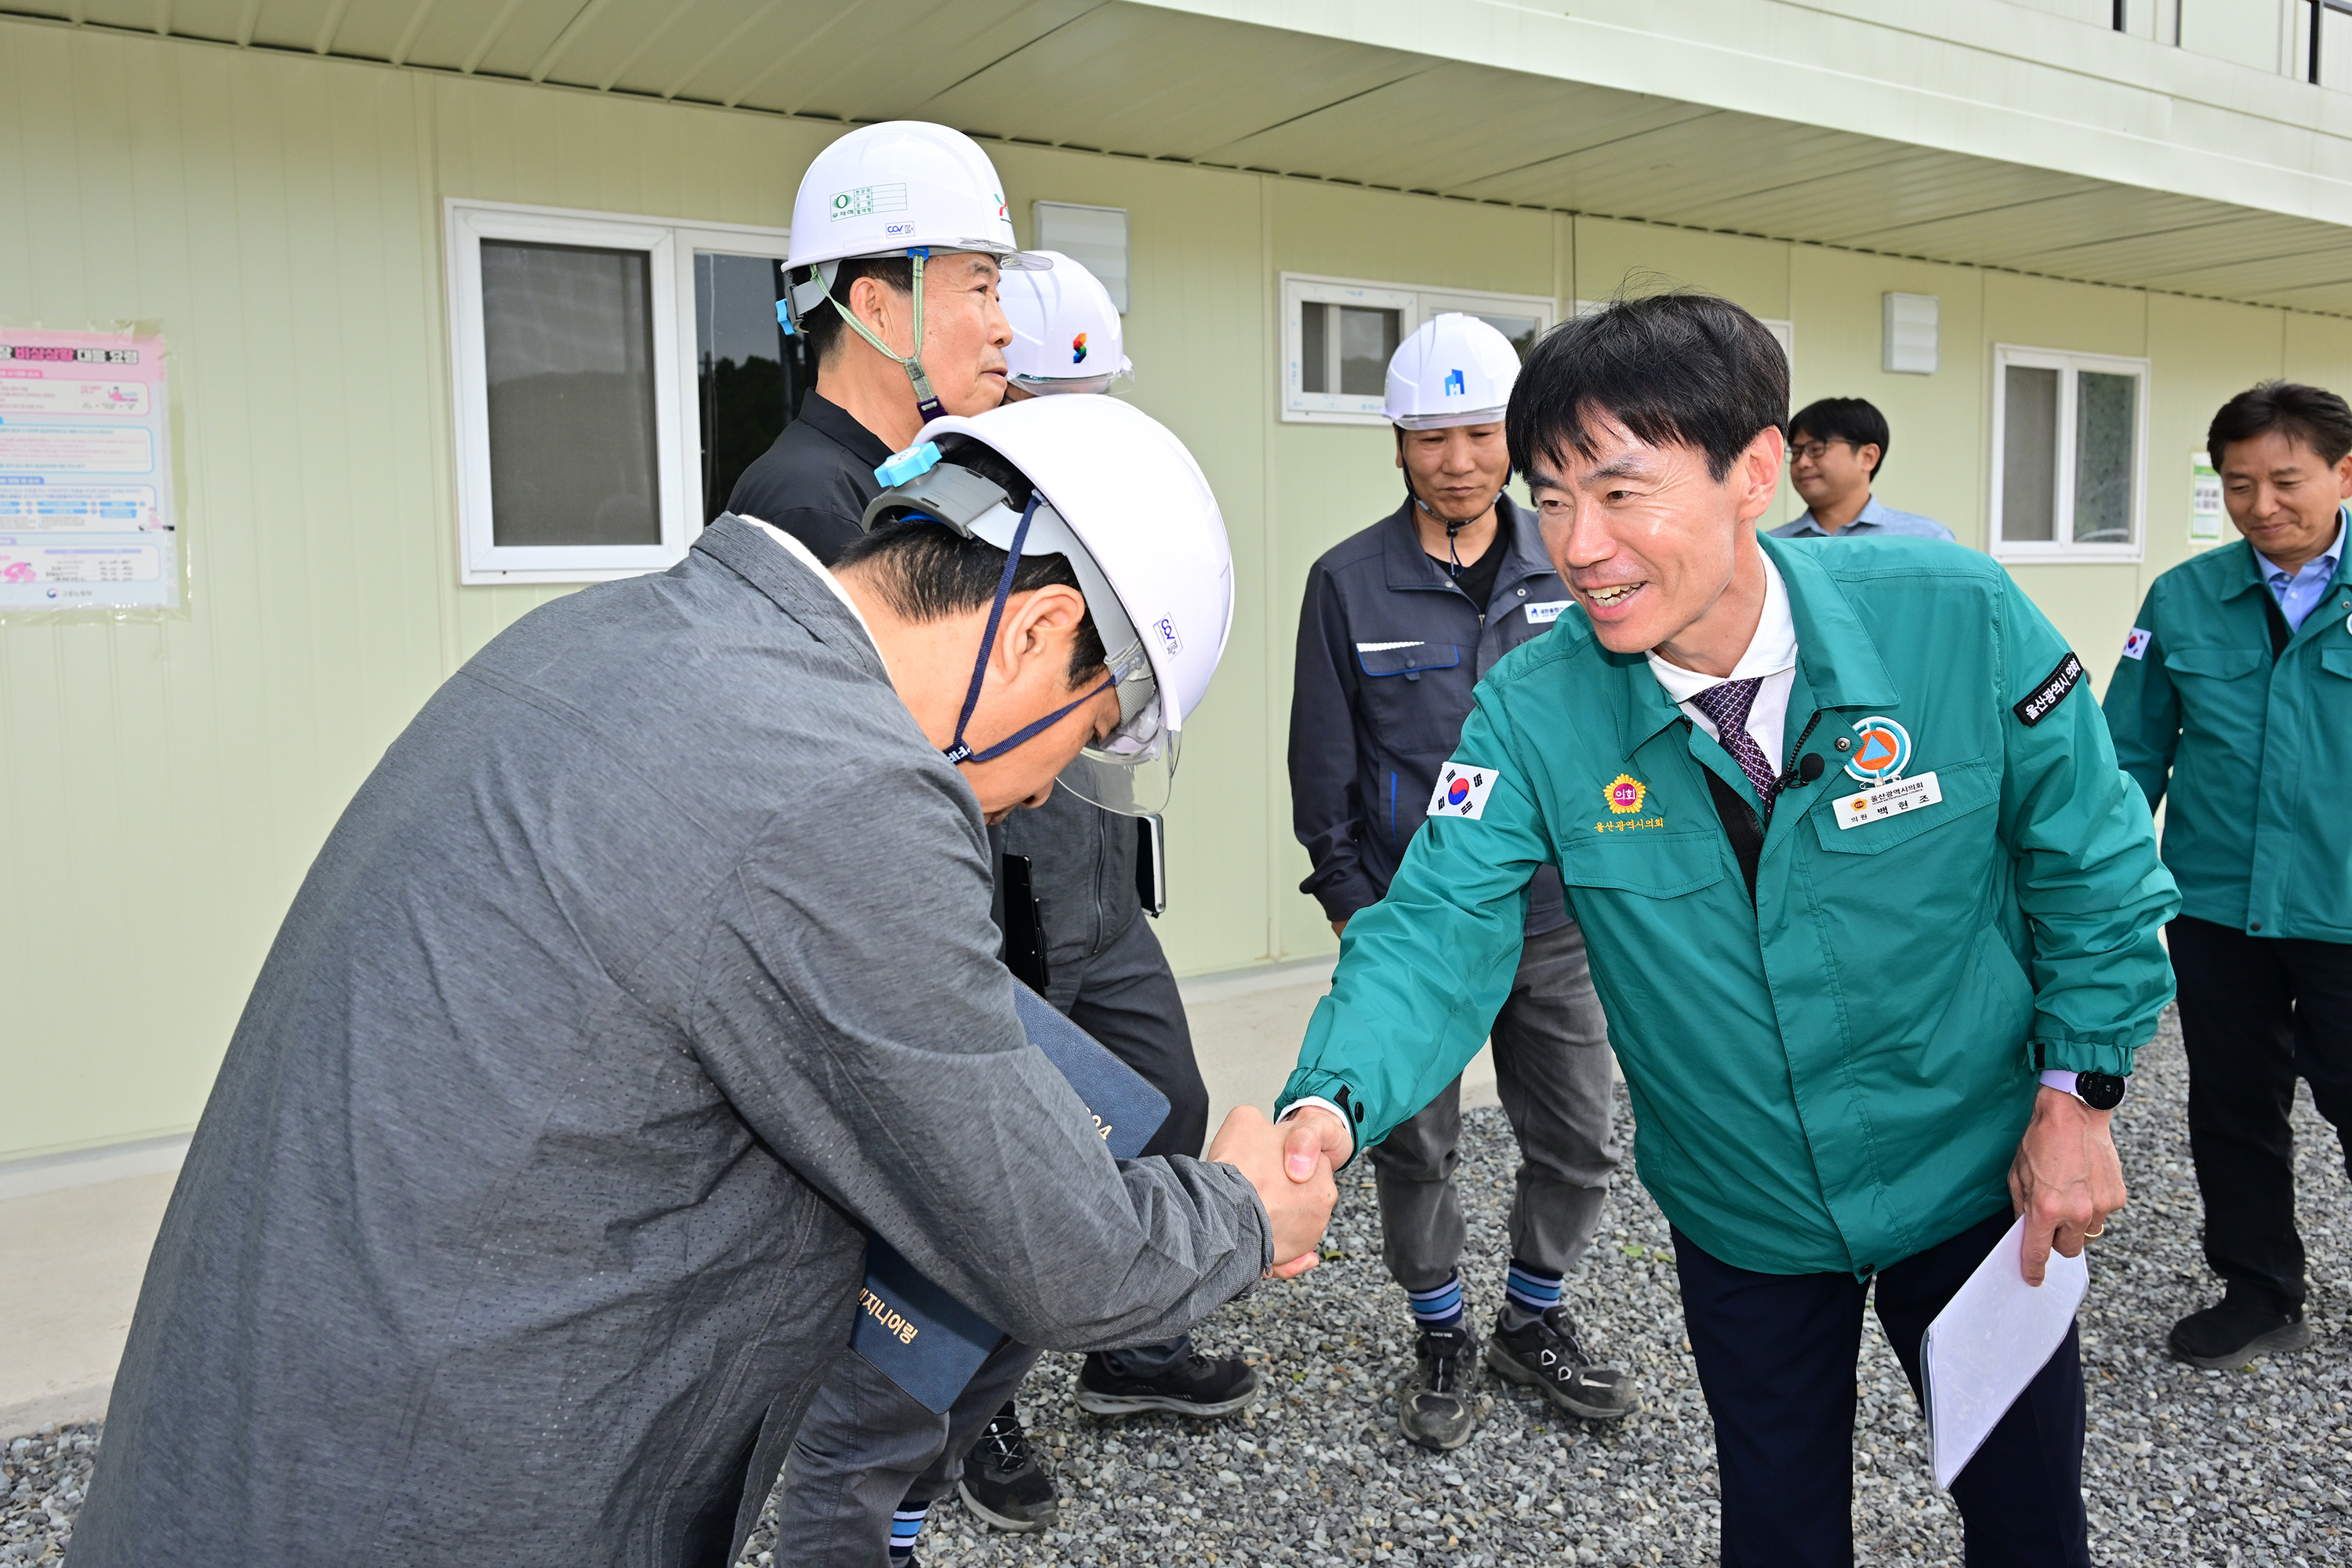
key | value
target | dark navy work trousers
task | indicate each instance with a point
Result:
(1776, 1357)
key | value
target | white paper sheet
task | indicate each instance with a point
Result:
(1991, 1339)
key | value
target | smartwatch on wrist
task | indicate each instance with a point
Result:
(2099, 1090)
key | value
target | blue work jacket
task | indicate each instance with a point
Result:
(1390, 649)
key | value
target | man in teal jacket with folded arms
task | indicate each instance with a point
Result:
(2234, 694)
(1856, 866)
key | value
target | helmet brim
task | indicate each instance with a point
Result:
(1447, 421)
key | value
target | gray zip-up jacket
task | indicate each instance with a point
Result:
(650, 967)
(1390, 649)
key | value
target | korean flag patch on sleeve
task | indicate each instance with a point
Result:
(2135, 643)
(1462, 791)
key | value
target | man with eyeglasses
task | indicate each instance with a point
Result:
(1834, 448)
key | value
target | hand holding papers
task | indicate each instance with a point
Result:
(1298, 1210)
(1989, 1341)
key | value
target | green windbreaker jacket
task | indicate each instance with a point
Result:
(1834, 1075)
(2255, 735)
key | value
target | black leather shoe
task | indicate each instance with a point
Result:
(1544, 1354)
(2229, 1336)
(1435, 1405)
(1193, 1386)
(1001, 1481)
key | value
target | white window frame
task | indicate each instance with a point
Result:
(2063, 550)
(1414, 305)
(669, 247)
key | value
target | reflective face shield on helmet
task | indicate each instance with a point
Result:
(1127, 770)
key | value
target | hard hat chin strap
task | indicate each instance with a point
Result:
(959, 749)
(927, 402)
(1452, 528)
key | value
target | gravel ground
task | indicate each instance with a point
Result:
(2184, 1466)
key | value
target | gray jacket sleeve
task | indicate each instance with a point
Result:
(853, 1010)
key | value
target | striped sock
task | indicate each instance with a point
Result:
(1531, 1290)
(904, 1525)
(1440, 1308)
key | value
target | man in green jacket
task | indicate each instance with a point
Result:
(2235, 692)
(1855, 864)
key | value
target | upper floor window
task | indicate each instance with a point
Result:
(2069, 439)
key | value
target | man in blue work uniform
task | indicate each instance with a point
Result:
(2234, 695)
(1835, 448)
(1854, 863)
(1400, 622)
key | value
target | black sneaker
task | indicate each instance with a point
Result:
(1435, 1406)
(1193, 1386)
(1544, 1354)
(2229, 1336)
(1001, 1480)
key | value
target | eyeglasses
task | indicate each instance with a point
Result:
(1814, 451)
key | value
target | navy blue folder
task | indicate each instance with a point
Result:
(919, 1336)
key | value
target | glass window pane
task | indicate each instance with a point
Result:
(568, 336)
(2106, 420)
(2029, 456)
(750, 375)
(1520, 329)
(1366, 339)
(1313, 347)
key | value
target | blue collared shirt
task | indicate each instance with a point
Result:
(2298, 593)
(1874, 518)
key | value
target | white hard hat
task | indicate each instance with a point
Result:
(1120, 498)
(1454, 370)
(901, 185)
(1066, 331)
(905, 187)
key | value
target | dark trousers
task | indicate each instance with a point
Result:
(1552, 1075)
(1776, 1357)
(864, 1448)
(2256, 1012)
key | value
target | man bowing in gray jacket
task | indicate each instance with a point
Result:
(649, 969)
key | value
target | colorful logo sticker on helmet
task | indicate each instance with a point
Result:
(1882, 749)
(1078, 349)
(1626, 793)
(1454, 385)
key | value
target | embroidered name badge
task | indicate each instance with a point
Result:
(1626, 793)
(1462, 791)
(2051, 692)
(1546, 611)
(2135, 643)
(1889, 800)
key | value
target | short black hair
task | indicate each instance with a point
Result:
(926, 573)
(1853, 420)
(2311, 414)
(823, 325)
(1679, 368)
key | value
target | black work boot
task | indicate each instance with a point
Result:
(1436, 1406)
(1196, 1386)
(1001, 1480)
(1544, 1354)
(2229, 1336)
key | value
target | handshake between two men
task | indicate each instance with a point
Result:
(1297, 1187)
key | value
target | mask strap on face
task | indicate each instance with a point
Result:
(927, 402)
(961, 751)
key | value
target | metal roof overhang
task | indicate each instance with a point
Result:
(1586, 117)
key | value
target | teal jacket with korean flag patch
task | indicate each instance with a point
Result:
(2247, 726)
(1832, 1073)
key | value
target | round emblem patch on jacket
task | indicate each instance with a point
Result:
(1625, 795)
(1882, 749)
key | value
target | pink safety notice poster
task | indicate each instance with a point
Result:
(86, 513)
